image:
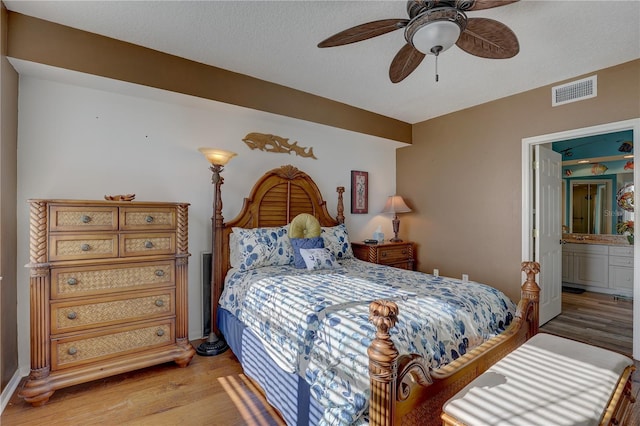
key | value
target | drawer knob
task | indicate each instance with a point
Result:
(384, 254)
(149, 219)
(85, 247)
(159, 303)
(72, 351)
(404, 252)
(72, 315)
(160, 332)
(159, 273)
(72, 281)
(85, 218)
(148, 244)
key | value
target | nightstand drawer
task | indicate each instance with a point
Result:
(391, 254)
(396, 254)
(91, 280)
(138, 218)
(76, 315)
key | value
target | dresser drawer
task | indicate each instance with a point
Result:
(140, 218)
(84, 349)
(75, 315)
(147, 244)
(395, 253)
(621, 261)
(80, 218)
(76, 247)
(88, 281)
(621, 251)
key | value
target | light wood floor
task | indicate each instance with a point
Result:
(602, 320)
(213, 390)
(210, 391)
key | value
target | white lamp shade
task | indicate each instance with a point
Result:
(436, 33)
(395, 204)
(218, 157)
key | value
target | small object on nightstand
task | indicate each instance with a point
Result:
(370, 241)
(378, 235)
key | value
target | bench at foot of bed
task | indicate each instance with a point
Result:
(548, 380)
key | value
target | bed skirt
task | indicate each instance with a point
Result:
(287, 392)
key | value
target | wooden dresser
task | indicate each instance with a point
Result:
(108, 290)
(399, 255)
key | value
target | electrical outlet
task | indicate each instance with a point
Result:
(436, 273)
(465, 278)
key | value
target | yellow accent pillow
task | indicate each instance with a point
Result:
(304, 226)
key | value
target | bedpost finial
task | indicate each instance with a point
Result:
(384, 315)
(531, 269)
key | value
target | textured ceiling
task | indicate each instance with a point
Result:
(276, 41)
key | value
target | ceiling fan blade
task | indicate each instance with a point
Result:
(488, 4)
(488, 38)
(405, 61)
(364, 32)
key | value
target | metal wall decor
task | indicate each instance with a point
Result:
(273, 143)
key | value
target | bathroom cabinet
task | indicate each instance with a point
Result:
(598, 267)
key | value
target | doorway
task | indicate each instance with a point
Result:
(528, 240)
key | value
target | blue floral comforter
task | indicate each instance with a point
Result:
(315, 323)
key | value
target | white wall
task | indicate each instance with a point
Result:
(80, 142)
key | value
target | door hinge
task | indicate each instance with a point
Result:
(536, 165)
(534, 233)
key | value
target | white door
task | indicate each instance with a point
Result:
(548, 225)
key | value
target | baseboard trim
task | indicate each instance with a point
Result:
(8, 391)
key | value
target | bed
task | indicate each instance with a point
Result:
(344, 341)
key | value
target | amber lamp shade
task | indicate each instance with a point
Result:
(217, 157)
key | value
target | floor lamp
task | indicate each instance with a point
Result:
(214, 345)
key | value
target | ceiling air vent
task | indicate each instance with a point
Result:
(575, 91)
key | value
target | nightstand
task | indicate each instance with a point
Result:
(399, 255)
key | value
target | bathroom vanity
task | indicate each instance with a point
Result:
(599, 265)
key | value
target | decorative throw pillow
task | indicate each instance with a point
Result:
(319, 258)
(304, 243)
(336, 239)
(259, 247)
(304, 225)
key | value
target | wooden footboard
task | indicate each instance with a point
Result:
(404, 391)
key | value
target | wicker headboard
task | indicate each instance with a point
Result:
(276, 198)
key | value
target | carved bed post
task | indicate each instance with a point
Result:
(340, 208)
(383, 363)
(531, 291)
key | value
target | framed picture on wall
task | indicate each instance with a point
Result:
(359, 192)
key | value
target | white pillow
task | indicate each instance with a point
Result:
(319, 258)
(259, 247)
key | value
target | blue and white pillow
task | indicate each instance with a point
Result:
(260, 247)
(319, 258)
(336, 239)
(304, 243)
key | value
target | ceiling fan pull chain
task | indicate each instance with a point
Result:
(437, 78)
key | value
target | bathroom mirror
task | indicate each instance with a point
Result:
(591, 207)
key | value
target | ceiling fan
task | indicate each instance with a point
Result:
(433, 27)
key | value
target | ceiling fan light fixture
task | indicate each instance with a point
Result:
(436, 30)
